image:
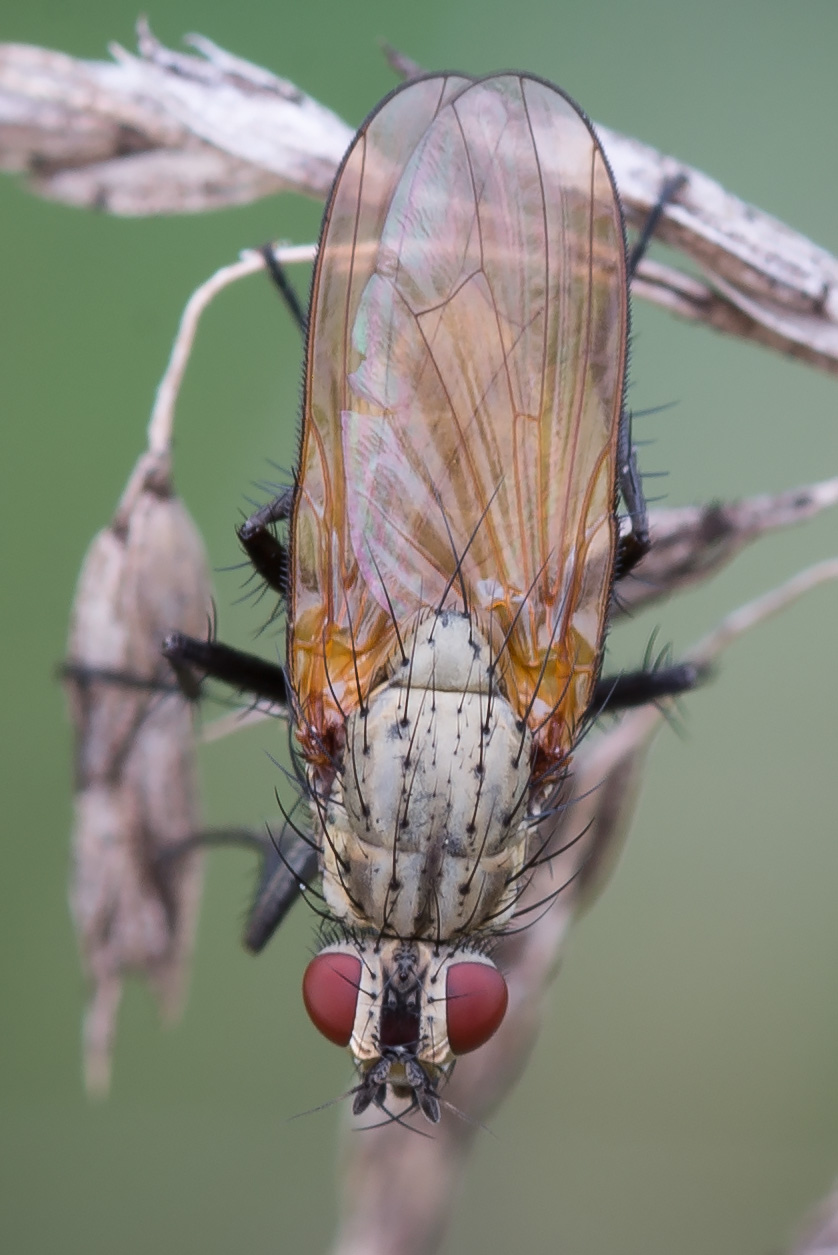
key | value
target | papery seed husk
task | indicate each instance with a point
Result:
(136, 791)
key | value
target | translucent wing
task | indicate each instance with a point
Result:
(463, 398)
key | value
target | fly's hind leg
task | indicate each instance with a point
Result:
(261, 544)
(285, 288)
(267, 553)
(669, 190)
(635, 544)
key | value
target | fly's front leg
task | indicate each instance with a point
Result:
(289, 864)
(287, 872)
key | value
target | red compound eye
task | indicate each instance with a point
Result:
(330, 992)
(476, 1003)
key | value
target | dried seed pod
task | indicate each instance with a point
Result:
(691, 543)
(136, 794)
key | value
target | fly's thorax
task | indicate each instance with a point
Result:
(425, 835)
(400, 1004)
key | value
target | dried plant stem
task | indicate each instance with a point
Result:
(819, 1235)
(763, 608)
(215, 130)
(251, 262)
(690, 543)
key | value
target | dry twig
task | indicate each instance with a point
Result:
(820, 1233)
(165, 132)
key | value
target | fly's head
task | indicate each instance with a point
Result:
(406, 1010)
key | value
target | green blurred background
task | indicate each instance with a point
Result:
(684, 1095)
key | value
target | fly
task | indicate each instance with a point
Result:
(454, 538)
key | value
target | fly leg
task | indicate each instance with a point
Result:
(424, 1090)
(245, 672)
(635, 544)
(286, 289)
(287, 871)
(670, 189)
(83, 674)
(194, 660)
(261, 544)
(289, 864)
(256, 535)
(614, 693)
